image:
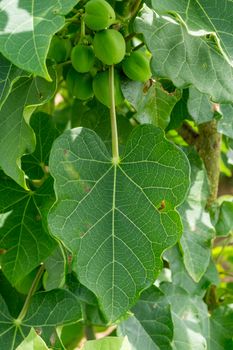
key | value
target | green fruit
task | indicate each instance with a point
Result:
(82, 58)
(59, 49)
(109, 46)
(79, 84)
(102, 91)
(99, 14)
(137, 66)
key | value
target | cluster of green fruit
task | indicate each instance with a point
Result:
(108, 46)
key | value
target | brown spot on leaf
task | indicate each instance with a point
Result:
(162, 205)
(38, 217)
(147, 85)
(38, 331)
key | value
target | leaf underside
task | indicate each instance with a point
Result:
(109, 228)
(185, 59)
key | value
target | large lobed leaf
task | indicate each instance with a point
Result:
(46, 311)
(181, 277)
(16, 136)
(26, 31)
(151, 327)
(190, 318)
(117, 218)
(153, 104)
(8, 75)
(221, 329)
(35, 165)
(198, 230)
(185, 59)
(23, 233)
(203, 16)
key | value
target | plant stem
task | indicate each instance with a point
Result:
(89, 333)
(208, 144)
(64, 63)
(32, 290)
(189, 135)
(83, 32)
(88, 329)
(209, 148)
(211, 298)
(115, 149)
(130, 8)
(135, 7)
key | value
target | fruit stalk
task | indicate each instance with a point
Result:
(83, 31)
(115, 148)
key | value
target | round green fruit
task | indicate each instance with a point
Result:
(102, 91)
(60, 49)
(79, 84)
(109, 46)
(99, 14)
(82, 58)
(137, 66)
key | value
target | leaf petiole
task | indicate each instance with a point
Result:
(115, 147)
(32, 290)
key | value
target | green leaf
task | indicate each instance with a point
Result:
(27, 30)
(23, 233)
(225, 125)
(198, 230)
(138, 337)
(81, 292)
(179, 112)
(33, 342)
(24, 285)
(93, 314)
(35, 164)
(181, 277)
(202, 17)
(53, 308)
(224, 222)
(55, 266)
(203, 110)
(153, 104)
(12, 297)
(151, 326)
(107, 343)
(9, 335)
(102, 208)
(16, 136)
(190, 318)
(71, 335)
(96, 117)
(8, 75)
(46, 311)
(199, 106)
(221, 329)
(185, 59)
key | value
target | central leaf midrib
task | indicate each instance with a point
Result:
(113, 233)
